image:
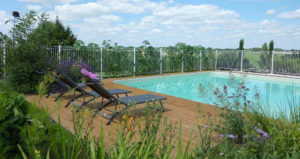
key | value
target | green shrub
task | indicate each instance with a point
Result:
(12, 120)
(25, 54)
(22, 123)
(23, 63)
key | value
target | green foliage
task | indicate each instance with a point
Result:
(147, 59)
(265, 47)
(286, 63)
(22, 65)
(78, 45)
(253, 132)
(16, 117)
(93, 46)
(25, 55)
(51, 33)
(241, 44)
(265, 61)
(271, 46)
(209, 59)
(230, 59)
(4, 38)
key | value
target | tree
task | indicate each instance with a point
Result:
(22, 27)
(26, 57)
(264, 47)
(93, 46)
(4, 38)
(52, 33)
(271, 46)
(241, 46)
(146, 43)
(106, 44)
(78, 44)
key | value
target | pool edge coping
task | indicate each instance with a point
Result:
(239, 72)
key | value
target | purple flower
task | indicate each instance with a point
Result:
(264, 135)
(225, 89)
(222, 135)
(89, 74)
(84, 72)
(93, 76)
(259, 131)
(230, 136)
(205, 126)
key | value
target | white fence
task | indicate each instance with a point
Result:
(116, 62)
(3, 51)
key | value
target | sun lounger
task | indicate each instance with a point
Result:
(78, 87)
(127, 101)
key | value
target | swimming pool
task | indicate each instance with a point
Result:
(273, 91)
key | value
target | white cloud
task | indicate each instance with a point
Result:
(3, 18)
(103, 19)
(192, 18)
(48, 1)
(290, 15)
(155, 31)
(34, 7)
(91, 9)
(270, 12)
(72, 12)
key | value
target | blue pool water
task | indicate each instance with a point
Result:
(273, 91)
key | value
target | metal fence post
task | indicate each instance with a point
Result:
(272, 67)
(200, 60)
(242, 57)
(134, 61)
(4, 61)
(182, 64)
(216, 60)
(101, 64)
(160, 54)
(59, 53)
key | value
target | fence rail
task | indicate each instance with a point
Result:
(119, 62)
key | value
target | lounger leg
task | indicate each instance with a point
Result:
(162, 107)
(60, 94)
(74, 98)
(111, 119)
(84, 103)
(48, 95)
(116, 114)
(103, 105)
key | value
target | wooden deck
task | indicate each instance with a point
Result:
(189, 112)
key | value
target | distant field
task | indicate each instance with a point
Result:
(253, 57)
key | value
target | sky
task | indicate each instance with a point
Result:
(210, 23)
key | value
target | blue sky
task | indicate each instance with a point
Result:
(211, 23)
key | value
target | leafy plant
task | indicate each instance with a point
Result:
(72, 68)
